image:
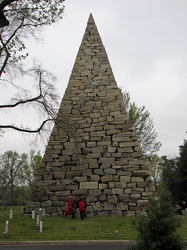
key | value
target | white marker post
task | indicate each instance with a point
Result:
(43, 212)
(41, 226)
(116, 234)
(6, 227)
(37, 220)
(40, 215)
(10, 214)
(33, 214)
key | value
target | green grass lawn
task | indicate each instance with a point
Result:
(23, 227)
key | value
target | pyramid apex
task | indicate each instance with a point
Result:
(91, 19)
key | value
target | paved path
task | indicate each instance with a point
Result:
(66, 246)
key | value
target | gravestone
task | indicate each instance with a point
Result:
(93, 152)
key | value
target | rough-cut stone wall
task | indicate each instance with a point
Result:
(92, 152)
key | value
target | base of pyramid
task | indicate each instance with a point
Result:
(104, 201)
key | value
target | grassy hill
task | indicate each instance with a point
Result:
(23, 228)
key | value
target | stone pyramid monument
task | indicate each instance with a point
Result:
(92, 152)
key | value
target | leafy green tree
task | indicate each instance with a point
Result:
(160, 228)
(142, 125)
(19, 21)
(34, 12)
(169, 175)
(25, 19)
(155, 164)
(3, 185)
(29, 173)
(10, 164)
(182, 172)
(30, 168)
(17, 174)
(174, 174)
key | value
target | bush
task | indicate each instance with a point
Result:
(160, 228)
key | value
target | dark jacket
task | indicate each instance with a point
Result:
(74, 206)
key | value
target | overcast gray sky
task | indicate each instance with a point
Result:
(146, 42)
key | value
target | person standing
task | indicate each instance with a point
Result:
(74, 208)
(82, 208)
(69, 202)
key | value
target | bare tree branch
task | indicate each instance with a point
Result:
(21, 102)
(24, 19)
(45, 101)
(26, 130)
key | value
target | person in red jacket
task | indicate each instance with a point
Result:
(82, 208)
(69, 202)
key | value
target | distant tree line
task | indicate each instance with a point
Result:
(17, 173)
(174, 174)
